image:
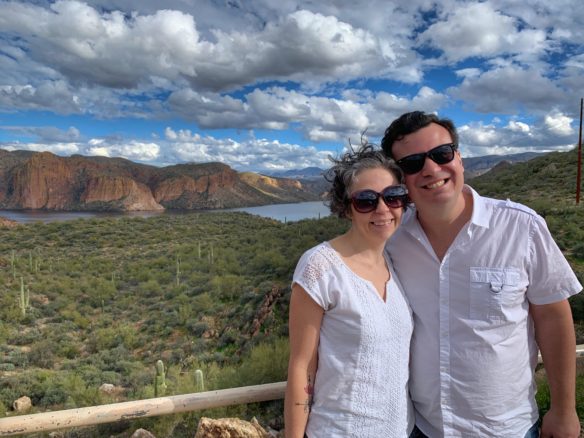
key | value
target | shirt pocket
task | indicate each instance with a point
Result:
(494, 292)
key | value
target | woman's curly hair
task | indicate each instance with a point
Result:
(345, 169)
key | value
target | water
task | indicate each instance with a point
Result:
(281, 212)
(288, 212)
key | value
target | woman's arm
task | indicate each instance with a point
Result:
(304, 331)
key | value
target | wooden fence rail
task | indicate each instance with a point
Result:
(111, 413)
(82, 417)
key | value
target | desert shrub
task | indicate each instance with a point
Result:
(42, 354)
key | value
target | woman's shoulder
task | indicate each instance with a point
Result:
(317, 261)
(323, 253)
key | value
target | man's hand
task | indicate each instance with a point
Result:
(558, 425)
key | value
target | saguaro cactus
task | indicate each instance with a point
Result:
(24, 299)
(199, 381)
(177, 270)
(160, 379)
(13, 264)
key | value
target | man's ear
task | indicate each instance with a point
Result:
(460, 159)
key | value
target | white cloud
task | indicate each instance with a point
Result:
(132, 150)
(508, 90)
(55, 95)
(479, 30)
(252, 154)
(518, 127)
(112, 49)
(552, 132)
(319, 68)
(559, 124)
(55, 148)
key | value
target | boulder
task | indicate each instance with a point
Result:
(107, 388)
(142, 433)
(23, 404)
(230, 428)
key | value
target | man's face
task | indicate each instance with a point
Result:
(435, 185)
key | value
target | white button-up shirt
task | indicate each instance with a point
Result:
(473, 348)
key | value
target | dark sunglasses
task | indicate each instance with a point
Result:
(442, 154)
(365, 201)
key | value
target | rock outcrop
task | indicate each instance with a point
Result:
(22, 405)
(41, 180)
(119, 192)
(230, 428)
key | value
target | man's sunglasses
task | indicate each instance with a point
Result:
(365, 201)
(442, 154)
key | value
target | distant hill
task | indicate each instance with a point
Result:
(548, 179)
(475, 166)
(42, 180)
(306, 173)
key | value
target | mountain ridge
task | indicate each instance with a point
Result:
(45, 181)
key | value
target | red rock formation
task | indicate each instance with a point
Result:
(32, 180)
(44, 181)
(128, 194)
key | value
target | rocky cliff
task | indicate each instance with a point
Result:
(41, 180)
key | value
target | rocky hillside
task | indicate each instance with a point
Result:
(41, 180)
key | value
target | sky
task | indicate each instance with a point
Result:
(268, 86)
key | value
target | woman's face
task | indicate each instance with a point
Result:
(378, 225)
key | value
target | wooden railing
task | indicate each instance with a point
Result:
(175, 404)
(82, 417)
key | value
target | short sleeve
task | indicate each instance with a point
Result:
(313, 273)
(551, 279)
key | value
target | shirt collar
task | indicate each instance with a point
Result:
(481, 215)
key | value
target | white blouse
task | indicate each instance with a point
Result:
(361, 384)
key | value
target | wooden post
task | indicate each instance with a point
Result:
(578, 176)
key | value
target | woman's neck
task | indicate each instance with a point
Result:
(349, 245)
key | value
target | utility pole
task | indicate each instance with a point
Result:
(578, 176)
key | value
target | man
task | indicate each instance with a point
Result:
(487, 285)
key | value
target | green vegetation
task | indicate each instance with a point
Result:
(99, 301)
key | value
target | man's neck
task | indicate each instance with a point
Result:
(443, 224)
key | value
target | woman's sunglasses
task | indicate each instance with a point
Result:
(365, 201)
(442, 154)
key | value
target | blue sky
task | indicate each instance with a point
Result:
(266, 86)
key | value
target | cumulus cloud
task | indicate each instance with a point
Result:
(131, 150)
(55, 95)
(508, 90)
(552, 132)
(479, 30)
(318, 118)
(56, 148)
(114, 49)
(559, 124)
(328, 70)
(249, 155)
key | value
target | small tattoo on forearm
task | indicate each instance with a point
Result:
(309, 389)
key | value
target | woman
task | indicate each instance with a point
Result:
(350, 325)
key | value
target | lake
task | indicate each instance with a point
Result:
(281, 212)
